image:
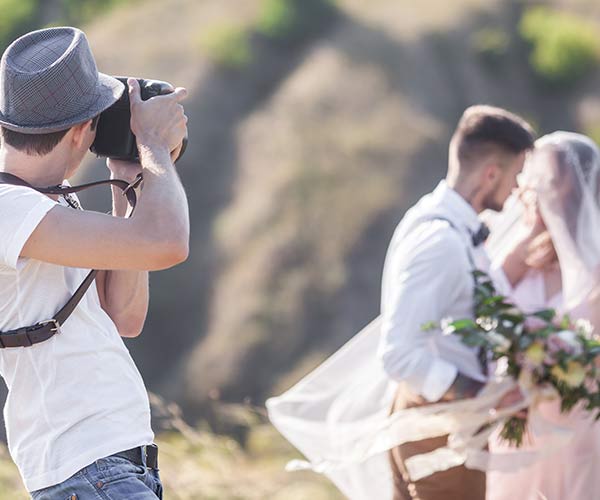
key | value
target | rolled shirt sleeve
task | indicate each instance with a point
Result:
(427, 277)
(22, 210)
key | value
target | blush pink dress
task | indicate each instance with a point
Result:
(572, 472)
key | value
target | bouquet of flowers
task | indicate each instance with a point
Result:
(540, 349)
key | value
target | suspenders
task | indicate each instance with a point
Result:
(481, 353)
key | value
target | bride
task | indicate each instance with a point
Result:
(547, 244)
(546, 250)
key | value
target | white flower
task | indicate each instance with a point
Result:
(570, 338)
(585, 328)
(446, 326)
(487, 323)
(501, 342)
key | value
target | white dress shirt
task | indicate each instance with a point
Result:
(428, 277)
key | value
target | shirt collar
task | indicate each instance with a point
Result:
(452, 202)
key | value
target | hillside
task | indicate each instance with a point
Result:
(300, 164)
(301, 161)
(299, 168)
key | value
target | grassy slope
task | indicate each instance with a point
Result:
(198, 465)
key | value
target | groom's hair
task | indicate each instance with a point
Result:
(486, 130)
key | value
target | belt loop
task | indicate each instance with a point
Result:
(28, 339)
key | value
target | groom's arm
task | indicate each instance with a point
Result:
(424, 278)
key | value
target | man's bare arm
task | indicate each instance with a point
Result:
(157, 235)
(124, 294)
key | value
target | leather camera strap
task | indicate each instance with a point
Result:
(29, 335)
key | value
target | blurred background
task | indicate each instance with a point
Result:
(313, 126)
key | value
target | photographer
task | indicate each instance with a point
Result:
(77, 413)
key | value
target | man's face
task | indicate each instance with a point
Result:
(505, 183)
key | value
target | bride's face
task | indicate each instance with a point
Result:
(554, 183)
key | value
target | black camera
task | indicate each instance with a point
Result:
(114, 138)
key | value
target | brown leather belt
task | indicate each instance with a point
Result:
(29, 335)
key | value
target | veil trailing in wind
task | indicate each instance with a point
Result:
(564, 173)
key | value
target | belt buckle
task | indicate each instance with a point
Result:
(54, 322)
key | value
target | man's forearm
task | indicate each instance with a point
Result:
(162, 209)
(124, 294)
(124, 297)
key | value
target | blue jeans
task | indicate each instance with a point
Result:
(110, 478)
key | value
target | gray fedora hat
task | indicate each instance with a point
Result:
(49, 82)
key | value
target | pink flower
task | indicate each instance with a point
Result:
(533, 323)
(564, 341)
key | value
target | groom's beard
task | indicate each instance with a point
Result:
(491, 203)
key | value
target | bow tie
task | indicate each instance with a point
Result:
(481, 235)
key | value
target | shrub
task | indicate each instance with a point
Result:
(227, 46)
(293, 20)
(17, 17)
(490, 44)
(564, 46)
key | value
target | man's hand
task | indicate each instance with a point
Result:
(160, 121)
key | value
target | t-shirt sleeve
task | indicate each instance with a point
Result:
(21, 210)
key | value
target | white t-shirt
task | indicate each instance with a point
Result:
(78, 396)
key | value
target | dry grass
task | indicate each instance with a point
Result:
(198, 465)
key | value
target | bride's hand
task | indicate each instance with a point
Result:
(541, 251)
(532, 216)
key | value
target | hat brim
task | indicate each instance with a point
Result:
(109, 91)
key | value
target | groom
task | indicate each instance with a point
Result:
(427, 277)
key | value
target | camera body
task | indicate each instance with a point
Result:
(114, 138)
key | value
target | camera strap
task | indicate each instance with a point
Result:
(29, 335)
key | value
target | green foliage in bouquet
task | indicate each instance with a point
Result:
(540, 350)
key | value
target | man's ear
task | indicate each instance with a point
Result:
(491, 173)
(79, 131)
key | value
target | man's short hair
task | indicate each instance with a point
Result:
(486, 130)
(36, 144)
